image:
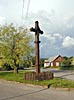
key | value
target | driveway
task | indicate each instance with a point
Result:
(16, 91)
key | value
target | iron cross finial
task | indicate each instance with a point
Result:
(36, 29)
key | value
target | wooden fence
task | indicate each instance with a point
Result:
(41, 76)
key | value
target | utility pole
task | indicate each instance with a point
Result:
(37, 31)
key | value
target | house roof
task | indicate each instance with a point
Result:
(52, 58)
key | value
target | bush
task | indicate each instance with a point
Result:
(6, 66)
(66, 65)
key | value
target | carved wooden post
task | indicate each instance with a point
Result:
(37, 31)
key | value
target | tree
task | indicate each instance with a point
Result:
(65, 64)
(15, 43)
(72, 61)
(42, 62)
(66, 58)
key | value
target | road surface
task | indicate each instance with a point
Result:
(66, 74)
(17, 91)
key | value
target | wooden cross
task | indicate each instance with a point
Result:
(37, 31)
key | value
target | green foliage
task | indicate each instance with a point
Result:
(66, 65)
(33, 61)
(72, 61)
(66, 58)
(15, 44)
(42, 62)
(5, 66)
(1, 61)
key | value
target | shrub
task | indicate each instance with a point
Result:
(6, 66)
(66, 65)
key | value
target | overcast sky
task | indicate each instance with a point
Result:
(56, 19)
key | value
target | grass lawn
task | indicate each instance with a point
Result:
(56, 82)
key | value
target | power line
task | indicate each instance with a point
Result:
(28, 6)
(22, 8)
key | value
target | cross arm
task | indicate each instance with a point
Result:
(32, 29)
(40, 31)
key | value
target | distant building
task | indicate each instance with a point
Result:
(53, 61)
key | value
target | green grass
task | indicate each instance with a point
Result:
(56, 82)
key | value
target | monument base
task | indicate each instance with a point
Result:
(42, 76)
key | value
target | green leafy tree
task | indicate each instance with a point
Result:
(72, 61)
(66, 58)
(65, 64)
(15, 43)
(42, 62)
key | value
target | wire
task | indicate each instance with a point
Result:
(27, 10)
(22, 9)
(28, 6)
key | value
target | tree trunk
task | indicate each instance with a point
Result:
(15, 70)
(15, 67)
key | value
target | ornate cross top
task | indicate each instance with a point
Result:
(37, 31)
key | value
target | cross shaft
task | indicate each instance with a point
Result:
(37, 31)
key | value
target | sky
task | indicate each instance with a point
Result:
(56, 19)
